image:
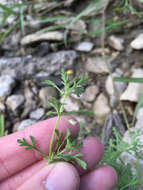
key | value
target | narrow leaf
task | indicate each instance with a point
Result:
(127, 79)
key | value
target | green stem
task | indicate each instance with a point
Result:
(52, 138)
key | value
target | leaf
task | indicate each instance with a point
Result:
(1, 125)
(51, 83)
(81, 163)
(22, 20)
(32, 140)
(71, 121)
(127, 79)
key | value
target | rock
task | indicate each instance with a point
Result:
(116, 42)
(28, 66)
(46, 94)
(84, 46)
(71, 104)
(51, 36)
(101, 109)
(78, 26)
(120, 86)
(6, 85)
(37, 114)
(137, 43)
(132, 157)
(25, 123)
(113, 120)
(134, 90)
(90, 93)
(14, 102)
(2, 107)
(96, 65)
(28, 107)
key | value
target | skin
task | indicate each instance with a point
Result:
(25, 170)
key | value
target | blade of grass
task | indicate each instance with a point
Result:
(1, 125)
(8, 31)
(138, 106)
(8, 9)
(51, 19)
(128, 79)
(22, 20)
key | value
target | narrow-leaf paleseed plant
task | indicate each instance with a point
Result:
(64, 145)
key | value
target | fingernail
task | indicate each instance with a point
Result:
(62, 177)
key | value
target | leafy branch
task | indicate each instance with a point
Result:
(66, 147)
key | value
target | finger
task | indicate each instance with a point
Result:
(103, 178)
(92, 151)
(57, 176)
(14, 158)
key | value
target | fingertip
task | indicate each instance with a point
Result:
(103, 178)
(92, 151)
(57, 176)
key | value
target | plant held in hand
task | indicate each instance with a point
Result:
(64, 145)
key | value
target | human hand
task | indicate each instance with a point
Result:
(25, 170)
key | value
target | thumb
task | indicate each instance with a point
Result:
(56, 176)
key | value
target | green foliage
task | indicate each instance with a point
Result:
(64, 146)
(1, 125)
(112, 156)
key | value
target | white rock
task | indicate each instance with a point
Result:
(6, 85)
(71, 104)
(15, 101)
(84, 46)
(90, 93)
(97, 65)
(2, 107)
(25, 123)
(116, 42)
(137, 43)
(120, 86)
(46, 94)
(134, 90)
(101, 109)
(54, 35)
(37, 114)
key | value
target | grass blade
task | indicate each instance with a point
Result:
(138, 106)
(7, 9)
(22, 20)
(1, 125)
(128, 79)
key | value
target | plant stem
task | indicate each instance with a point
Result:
(53, 134)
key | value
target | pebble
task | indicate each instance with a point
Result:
(2, 107)
(47, 93)
(101, 109)
(37, 114)
(116, 43)
(25, 123)
(90, 93)
(96, 65)
(120, 86)
(71, 104)
(134, 90)
(6, 85)
(29, 66)
(137, 43)
(84, 46)
(51, 36)
(14, 101)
